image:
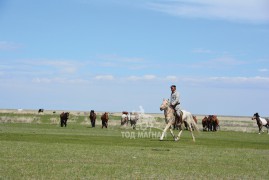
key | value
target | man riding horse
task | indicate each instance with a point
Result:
(175, 103)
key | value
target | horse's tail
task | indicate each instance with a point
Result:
(193, 123)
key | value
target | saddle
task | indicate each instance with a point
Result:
(178, 120)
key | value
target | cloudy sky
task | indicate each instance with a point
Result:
(115, 55)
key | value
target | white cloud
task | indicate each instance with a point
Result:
(149, 77)
(171, 78)
(145, 77)
(255, 79)
(219, 63)
(61, 66)
(9, 46)
(113, 57)
(202, 51)
(254, 11)
(227, 82)
(223, 81)
(59, 80)
(133, 78)
(263, 70)
(116, 61)
(104, 77)
(42, 80)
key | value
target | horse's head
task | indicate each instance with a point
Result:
(164, 104)
(255, 116)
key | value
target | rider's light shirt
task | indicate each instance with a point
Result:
(174, 99)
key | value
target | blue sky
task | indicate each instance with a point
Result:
(117, 55)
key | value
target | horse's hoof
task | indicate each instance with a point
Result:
(176, 139)
(161, 139)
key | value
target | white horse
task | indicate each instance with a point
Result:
(169, 114)
(124, 119)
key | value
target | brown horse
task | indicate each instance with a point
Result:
(92, 117)
(104, 119)
(210, 123)
(194, 118)
(205, 123)
(214, 122)
(261, 122)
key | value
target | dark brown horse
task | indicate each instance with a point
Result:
(214, 122)
(64, 116)
(104, 119)
(40, 111)
(261, 122)
(92, 117)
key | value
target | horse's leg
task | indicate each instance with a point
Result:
(190, 129)
(165, 129)
(179, 134)
(171, 131)
(193, 138)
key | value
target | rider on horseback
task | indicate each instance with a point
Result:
(174, 102)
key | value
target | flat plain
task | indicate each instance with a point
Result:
(34, 146)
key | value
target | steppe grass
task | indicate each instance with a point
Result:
(47, 151)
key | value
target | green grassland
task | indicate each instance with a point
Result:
(41, 149)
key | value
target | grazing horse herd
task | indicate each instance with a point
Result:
(209, 123)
